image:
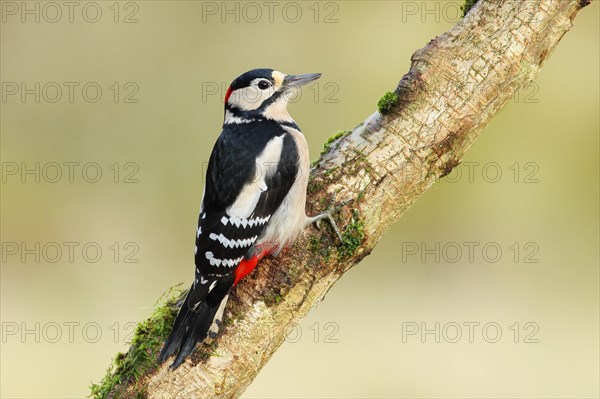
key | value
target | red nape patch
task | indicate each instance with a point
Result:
(247, 265)
(227, 95)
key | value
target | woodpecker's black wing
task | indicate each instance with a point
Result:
(251, 169)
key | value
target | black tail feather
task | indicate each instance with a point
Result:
(195, 331)
(191, 326)
(175, 337)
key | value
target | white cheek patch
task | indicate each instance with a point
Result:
(246, 99)
(251, 97)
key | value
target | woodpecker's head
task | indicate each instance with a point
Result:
(263, 93)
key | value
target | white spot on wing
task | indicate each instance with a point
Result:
(226, 262)
(212, 285)
(227, 243)
(211, 258)
(245, 222)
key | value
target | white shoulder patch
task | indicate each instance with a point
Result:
(266, 165)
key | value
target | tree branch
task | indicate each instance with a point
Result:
(455, 85)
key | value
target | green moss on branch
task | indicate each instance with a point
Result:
(387, 102)
(352, 238)
(337, 135)
(141, 358)
(467, 6)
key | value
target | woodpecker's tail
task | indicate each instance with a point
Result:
(193, 324)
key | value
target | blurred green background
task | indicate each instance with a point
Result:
(529, 188)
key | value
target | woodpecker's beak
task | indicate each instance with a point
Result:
(299, 80)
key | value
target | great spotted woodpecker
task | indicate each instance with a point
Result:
(253, 204)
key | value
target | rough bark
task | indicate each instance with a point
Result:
(454, 87)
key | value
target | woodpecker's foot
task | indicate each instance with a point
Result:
(328, 214)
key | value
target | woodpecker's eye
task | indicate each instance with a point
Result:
(264, 84)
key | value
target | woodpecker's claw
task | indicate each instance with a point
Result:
(328, 214)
